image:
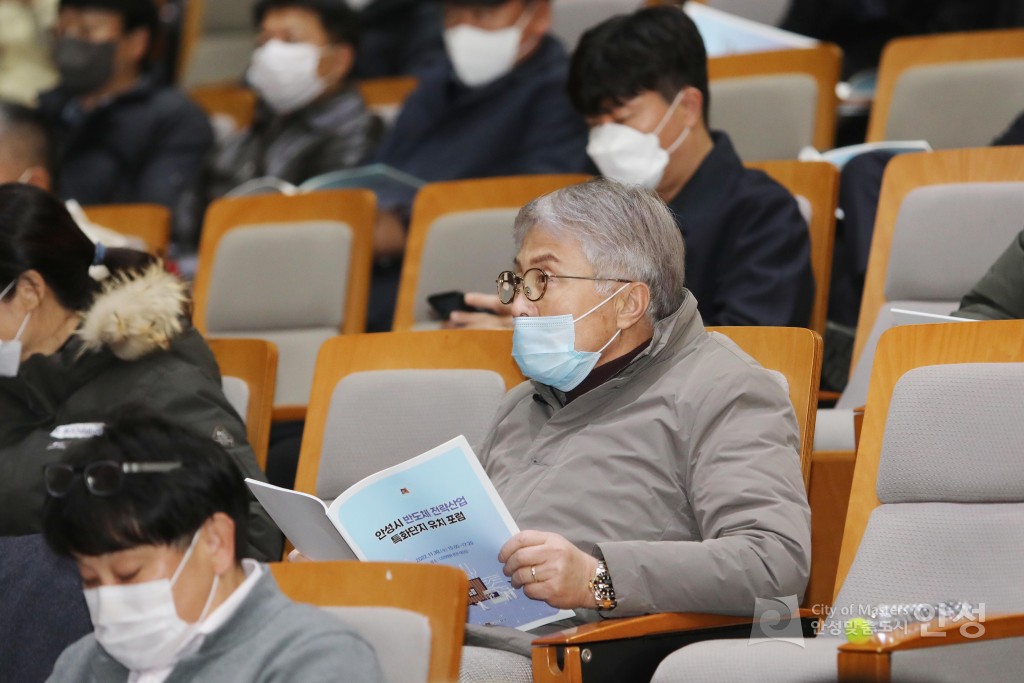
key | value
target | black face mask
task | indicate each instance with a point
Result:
(84, 66)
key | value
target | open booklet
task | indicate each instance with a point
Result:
(439, 507)
(380, 178)
(839, 156)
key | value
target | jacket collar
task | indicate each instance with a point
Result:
(673, 335)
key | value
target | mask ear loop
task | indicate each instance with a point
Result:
(181, 565)
(664, 120)
(613, 295)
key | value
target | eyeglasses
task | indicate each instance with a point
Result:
(102, 478)
(534, 283)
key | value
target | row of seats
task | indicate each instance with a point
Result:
(261, 259)
(939, 443)
(774, 104)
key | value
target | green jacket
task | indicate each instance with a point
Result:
(132, 351)
(999, 294)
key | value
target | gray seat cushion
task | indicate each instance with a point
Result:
(388, 629)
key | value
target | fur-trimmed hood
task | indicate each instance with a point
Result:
(135, 314)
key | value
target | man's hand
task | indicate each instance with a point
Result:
(388, 235)
(499, 318)
(550, 568)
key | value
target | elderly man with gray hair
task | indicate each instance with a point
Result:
(653, 467)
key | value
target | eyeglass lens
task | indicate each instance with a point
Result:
(534, 283)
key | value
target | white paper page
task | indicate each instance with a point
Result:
(303, 519)
(441, 508)
(727, 34)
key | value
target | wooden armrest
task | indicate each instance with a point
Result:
(871, 660)
(631, 648)
(858, 426)
(638, 627)
(934, 634)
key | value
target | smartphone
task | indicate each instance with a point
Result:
(444, 303)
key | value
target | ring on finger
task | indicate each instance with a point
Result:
(533, 573)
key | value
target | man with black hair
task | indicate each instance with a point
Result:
(496, 106)
(118, 136)
(399, 36)
(641, 82)
(311, 118)
(155, 519)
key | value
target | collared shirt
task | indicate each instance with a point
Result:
(748, 251)
(217, 618)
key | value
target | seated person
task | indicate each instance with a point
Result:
(69, 348)
(155, 518)
(495, 107)
(400, 37)
(119, 137)
(999, 295)
(646, 455)
(641, 81)
(310, 118)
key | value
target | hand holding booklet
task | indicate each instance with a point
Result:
(439, 507)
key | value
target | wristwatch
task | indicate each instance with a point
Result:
(604, 592)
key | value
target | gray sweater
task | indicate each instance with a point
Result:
(269, 638)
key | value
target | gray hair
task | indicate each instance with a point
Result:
(624, 231)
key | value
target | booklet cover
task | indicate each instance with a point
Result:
(839, 156)
(439, 507)
(728, 34)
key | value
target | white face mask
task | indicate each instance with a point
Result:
(138, 624)
(481, 56)
(10, 351)
(625, 154)
(286, 74)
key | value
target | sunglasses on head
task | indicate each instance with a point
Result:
(101, 478)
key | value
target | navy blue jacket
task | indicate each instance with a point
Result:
(748, 249)
(520, 124)
(144, 145)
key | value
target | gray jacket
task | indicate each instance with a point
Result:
(999, 294)
(269, 638)
(683, 471)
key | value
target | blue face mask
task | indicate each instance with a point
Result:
(545, 348)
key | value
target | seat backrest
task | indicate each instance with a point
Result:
(773, 104)
(439, 592)
(150, 223)
(938, 481)
(770, 12)
(460, 237)
(292, 270)
(385, 96)
(795, 353)
(248, 369)
(384, 628)
(403, 407)
(570, 19)
(943, 219)
(232, 100)
(917, 78)
(219, 38)
(816, 183)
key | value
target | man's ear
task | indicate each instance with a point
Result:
(692, 106)
(636, 299)
(336, 63)
(537, 27)
(137, 42)
(220, 540)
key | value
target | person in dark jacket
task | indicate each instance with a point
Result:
(641, 81)
(399, 37)
(999, 294)
(70, 351)
(311, 119)
(119, 137)
(495, 107)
